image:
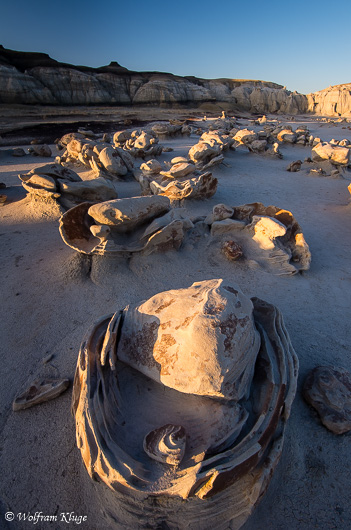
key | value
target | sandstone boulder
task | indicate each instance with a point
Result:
(203, 151)
(164, 425)
(152, 167)
(112, 162)
(126, 214)
(287, 136)
(201, 187)
(245, 136)
(40, 150)
(328, 390)
(339, 156)
(198, 314)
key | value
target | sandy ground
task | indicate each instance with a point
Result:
(49, 302)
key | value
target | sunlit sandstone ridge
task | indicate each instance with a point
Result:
(34, 78)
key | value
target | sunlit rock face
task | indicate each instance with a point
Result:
(200, 341)
(332, 101)
(54, 182)
(124, 226)
(268, 235)
(36, 78)
(180, 404)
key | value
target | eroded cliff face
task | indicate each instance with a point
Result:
(332, 101)
(35, 78)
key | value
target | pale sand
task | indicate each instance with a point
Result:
(48, 304)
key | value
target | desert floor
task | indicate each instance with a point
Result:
(49, 301)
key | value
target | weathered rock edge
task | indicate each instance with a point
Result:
(227, 485)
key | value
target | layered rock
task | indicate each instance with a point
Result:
(33, 78)
(332, 101)
(53, 182)
(179, 409)
(124, 226)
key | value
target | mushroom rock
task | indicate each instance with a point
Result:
(203, 151)
(328, 390)
(223, 140)
(56, 182)
(181, 403)
(120, 228)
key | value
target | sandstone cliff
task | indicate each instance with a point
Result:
(332, 101)
(35, 78)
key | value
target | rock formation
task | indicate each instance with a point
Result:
(35, 78)
(175, 429)
(53, 182)
(40, 391)
(104, 159)
(268, 235)
(332, 101)
(124, 226)
(328, 390)
(324, 151)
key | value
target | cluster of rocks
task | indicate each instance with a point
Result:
(327, 158)
(54, 182)
(98, 155)
(181, 181)
(138, 143)
(337, 153)
(42, 150)
(171, 129)
(268, 235)
(274, 135)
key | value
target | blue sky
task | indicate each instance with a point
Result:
(302, 44)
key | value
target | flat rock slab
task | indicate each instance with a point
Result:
(40, 391)
(328, 390)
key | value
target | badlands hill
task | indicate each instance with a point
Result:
(35, 78)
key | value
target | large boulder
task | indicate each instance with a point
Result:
(199, 341)
(338, 156)
(126, 214)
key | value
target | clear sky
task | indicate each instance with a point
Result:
(302, 44)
